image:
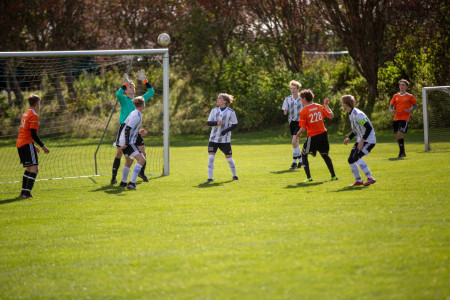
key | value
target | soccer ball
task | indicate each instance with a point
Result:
(164, 39)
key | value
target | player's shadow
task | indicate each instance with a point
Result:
(212, 184)
(303, 184)
(351, 188)
(113, 189)
(18, 198)
(395, 158)
(283, 171)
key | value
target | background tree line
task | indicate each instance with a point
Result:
(251, 49)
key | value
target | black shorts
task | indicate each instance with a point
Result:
(28, 155)
(316, 143)
(400, 125)
(139, 140)
(131, 151)
(224, 147)
(355, 154)
(294, 127)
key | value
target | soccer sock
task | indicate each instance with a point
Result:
(329, 163)
(362, 164)
(401, 145)
(299, 154)
(355, 171)
(142, 172)
(125, 172)
(211, 166)
(24, 181)
(232, 165)
(137, 168)
(30, 181)
(294, 155)
(306, 165)
(116, 166)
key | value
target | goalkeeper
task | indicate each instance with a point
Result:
(125, 96)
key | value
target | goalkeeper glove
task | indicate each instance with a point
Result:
(141, 75)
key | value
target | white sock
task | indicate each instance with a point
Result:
(125, 172)
(294, 155)
(232, 165)
(362, 164)
(299, 154)
(137, 168)
(355, 171)
(211, 166)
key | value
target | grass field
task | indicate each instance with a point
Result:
(266, 236)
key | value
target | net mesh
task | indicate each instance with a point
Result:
(77, 101)
(438, 110)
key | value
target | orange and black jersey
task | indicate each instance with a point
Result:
(28, 129)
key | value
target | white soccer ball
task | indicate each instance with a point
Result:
(164, 39)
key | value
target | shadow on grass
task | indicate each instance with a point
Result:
(212, 184)
(113, 189)
(351, 188)
(18, 198)
(283, 171)
(303, 184)
(395, 158)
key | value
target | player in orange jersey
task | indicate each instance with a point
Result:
(311, 122)
(401, 106)
(27, 149)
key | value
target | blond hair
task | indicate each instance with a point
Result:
(296, 83)
(138, 101)
(405, 81)
(227, 97)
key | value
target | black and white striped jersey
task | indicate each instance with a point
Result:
(357, 120)
(134, 120)
(293, 106)
(228, 117)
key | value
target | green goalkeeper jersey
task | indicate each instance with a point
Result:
(126, 104)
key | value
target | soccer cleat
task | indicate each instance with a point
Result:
(25, 196)
(144, 178)
(123, 184)
(113, 181)
(131, 186)
(369, 181)
(235, 178)
(209, 180)
(299, 165)
(308, 179)
(293, 166)
(357, 183)
(401, 155)
(334, 178)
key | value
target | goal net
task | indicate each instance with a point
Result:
(79, 112)
(436, 121)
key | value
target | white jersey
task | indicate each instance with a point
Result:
(357, 121)
(293, 106)
(228, 118)
(134, 120)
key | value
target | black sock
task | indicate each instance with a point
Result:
(142, 172)
(116, 166)
(305, 163)
(24, 181)
(401, 145)
(329, 163)
(30, 181)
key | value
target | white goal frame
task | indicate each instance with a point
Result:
(426, 138)
(165, 65)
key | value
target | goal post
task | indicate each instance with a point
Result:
(81, 82)
(436, 109)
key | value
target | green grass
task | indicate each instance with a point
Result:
(266, 236)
